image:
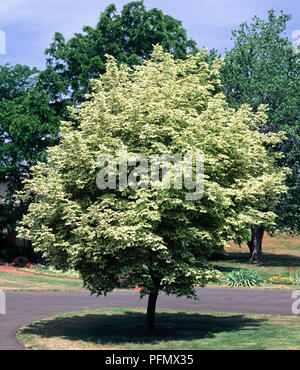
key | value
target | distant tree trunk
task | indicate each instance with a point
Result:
(255, 244)
(150, 321)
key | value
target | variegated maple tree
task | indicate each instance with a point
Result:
(154, 238)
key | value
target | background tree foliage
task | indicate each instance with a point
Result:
(28, 125)
(262, 68)
(154, 238)
(128, 36)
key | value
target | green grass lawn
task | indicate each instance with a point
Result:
(12, 282)
(51, 273)
(279, 253)
(124, 329)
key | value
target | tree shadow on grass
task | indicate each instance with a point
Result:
(269, 259)
(116, 328)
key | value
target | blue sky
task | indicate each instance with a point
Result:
(29, 25)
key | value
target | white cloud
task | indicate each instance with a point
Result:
(64, 13)
(7, 7)
(222, 13)
(31, 24)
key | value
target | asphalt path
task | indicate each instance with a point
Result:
(23, 308)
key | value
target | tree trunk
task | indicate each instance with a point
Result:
(255, 244)
(150, 321)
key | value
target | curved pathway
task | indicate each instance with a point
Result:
(23, 308)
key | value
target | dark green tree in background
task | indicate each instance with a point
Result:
(263, 68)
(128, 36)
(28, 125)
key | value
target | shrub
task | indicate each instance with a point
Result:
(244, 277)
(37, 266)
(20, 261)
(277, 279)
(293, 274)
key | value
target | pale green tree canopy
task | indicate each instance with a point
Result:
(154, 238)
